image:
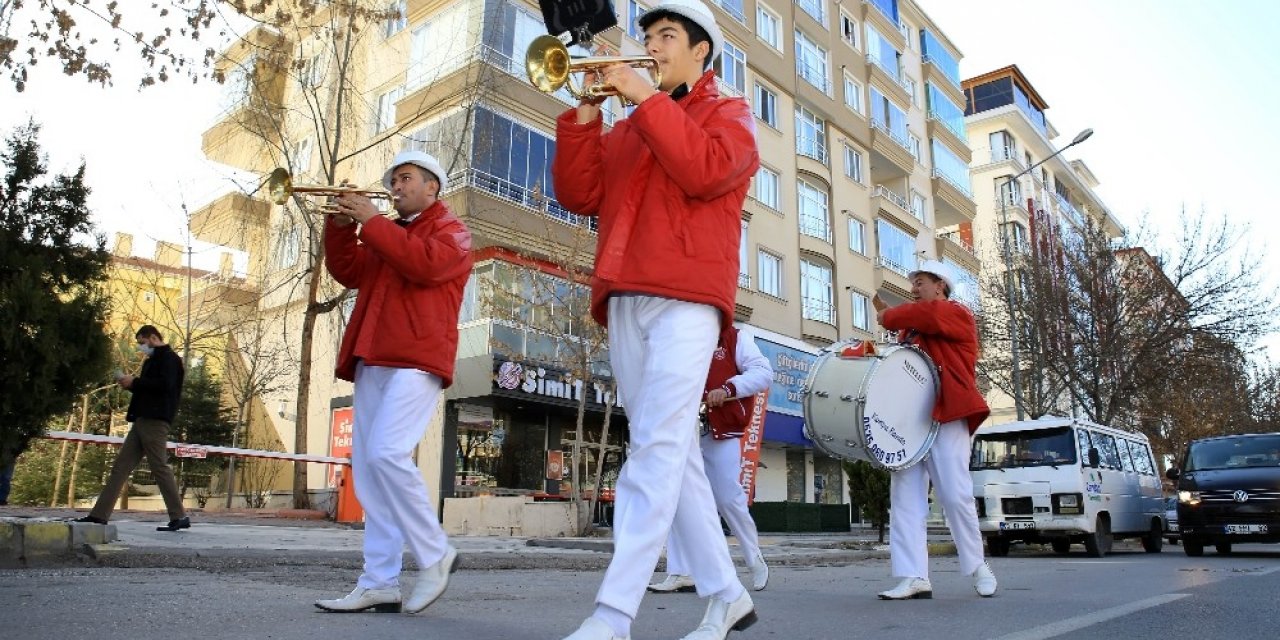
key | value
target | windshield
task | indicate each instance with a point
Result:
(1036, 448)
(1234, 453)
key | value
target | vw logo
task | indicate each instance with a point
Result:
(1240, 495)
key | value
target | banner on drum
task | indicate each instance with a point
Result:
(752, 439)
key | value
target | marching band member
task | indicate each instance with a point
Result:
(667, 184)
(946, 331)
(731, 383)
(417, 264)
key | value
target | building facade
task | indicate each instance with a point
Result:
(865, 172)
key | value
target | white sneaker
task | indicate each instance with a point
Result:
(984, 582)
(432, 582)
(594, 628)
(362, 599)
(723, 617)
(673, 584)
(759, 573)
(909, 589)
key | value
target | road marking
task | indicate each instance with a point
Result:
(1262, 572)
(1080, 622)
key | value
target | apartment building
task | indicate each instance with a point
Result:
(1009, 134)
(864, 173)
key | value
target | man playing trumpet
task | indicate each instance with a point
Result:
(417, 264)
(668, 185)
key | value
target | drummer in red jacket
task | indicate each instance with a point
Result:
(946, 331)
(667, 184)
(398, 348)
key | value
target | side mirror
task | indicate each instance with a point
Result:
(1172, 473)
(1094, 458)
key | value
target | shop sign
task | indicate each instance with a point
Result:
(552, 384)
(790, 369)
(340, 432)
(555, 465)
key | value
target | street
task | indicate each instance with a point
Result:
(1129, 594)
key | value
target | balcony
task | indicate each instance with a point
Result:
(727, 90)
(1068, 211)
(939, 128)
(888, 80)
(1008, 153)
(532, 200)
(815, 227)
(935, 72)
(233, 220)
(733, 8)
(889, 151)
(953, 203)
(879, 12)
(744, 281)
(952, 245)
(818, 309)
(893, 276)
(818, 321)
(812, 147)
(895, 205)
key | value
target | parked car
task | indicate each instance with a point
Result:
(1229, 492)
(1171, 532)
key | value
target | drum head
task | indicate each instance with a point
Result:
(897, 417)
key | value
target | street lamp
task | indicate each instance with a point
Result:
(1008, 267)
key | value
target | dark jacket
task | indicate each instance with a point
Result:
(157, 389)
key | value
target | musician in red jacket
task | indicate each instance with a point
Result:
(399, 349)
(667, 184)
(946, 331)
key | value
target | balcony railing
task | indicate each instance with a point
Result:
(815, 227)
(952, 125)
(744, 280)
(893, 70)
(879, 124)
(815, 8)
(733, 8)
(891, 196)
(954, 237)
(818, 309)
(928, 59)
(814, 75)
(521, 195)
(1069, 209)
(883, 8)
(1007, 153)
(892, 266)
(727, 89)
(812, 147)
(951, 181)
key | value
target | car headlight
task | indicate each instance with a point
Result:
(1189, 497)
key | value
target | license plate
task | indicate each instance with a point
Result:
(1246, 528)
(1017, 525)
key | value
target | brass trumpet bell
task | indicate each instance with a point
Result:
(549, 65)
(280, 188)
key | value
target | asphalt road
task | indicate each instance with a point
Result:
(1129, 595)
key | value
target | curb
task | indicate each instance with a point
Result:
(27, 541)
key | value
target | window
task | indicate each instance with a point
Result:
(438, 47)
(1141, 458)
(897, 248)
(1125, 461)
(814, 217)
(769, 270)
(811, 62)
(1085, 444)
(882, 53)
(1107, 450)
(853, 94)
(852, 164)
(932, 52)
(509, 160)
(731, 66)
(767, 188)
(302, 157)
(910, 85)
(768, 26)
(312, 74)
(942, 109)
(290, 247)
(634, 10)
(811, 135)
(907, 31)
(948, 166)
(733, 8)
(817, 9)
(815, 292)
(917, 205)
(913, 145)
(385, 118)
(397, 18)
(766, 106)
(744, 269)
(1016, 234)
(1003, 147)
(1010, 191)
(238, 83)
(858, 236)
(861, 311)
(889, 117)
(848, 30)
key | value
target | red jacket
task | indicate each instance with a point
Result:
(410, 281)
(946, 331)
(668, 184)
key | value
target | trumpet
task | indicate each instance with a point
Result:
(549, 65)
(280, 187)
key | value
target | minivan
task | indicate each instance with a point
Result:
(1065, 481)
(1229, 491)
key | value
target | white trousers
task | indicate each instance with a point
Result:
(392, 409)
(660, 350)
(948, 466)
(722, 460)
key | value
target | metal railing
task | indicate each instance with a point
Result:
(958, 130)
(892, 266)
(812, 147)
(733, 8)
(521, 195)
(744, 280)
(818, 309)
(879, 124)
(892, 196)
(954, 238)
(815, 227)
(951, 181)
(814, 76)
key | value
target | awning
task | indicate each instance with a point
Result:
(785, 428)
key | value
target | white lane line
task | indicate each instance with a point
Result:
(1262, 572)
(1060, 627)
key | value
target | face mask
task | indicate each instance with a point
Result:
(146, 349)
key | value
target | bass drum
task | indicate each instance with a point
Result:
(877, 408)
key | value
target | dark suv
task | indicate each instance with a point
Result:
(1229, 491)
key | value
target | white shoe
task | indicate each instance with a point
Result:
(909, 589)
(723, 617)
(362, 599)
(432, 582)
(759, 573)
(673, 584)
(984, 582)
(594, 628)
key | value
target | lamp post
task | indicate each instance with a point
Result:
(1008, 268)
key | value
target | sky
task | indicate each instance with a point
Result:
(1176, 91)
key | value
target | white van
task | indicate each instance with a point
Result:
(1065, 481)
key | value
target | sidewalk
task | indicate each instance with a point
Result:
(260, 538)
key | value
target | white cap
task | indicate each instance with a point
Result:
(701, 15)
(939, 269)
(418, 159)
